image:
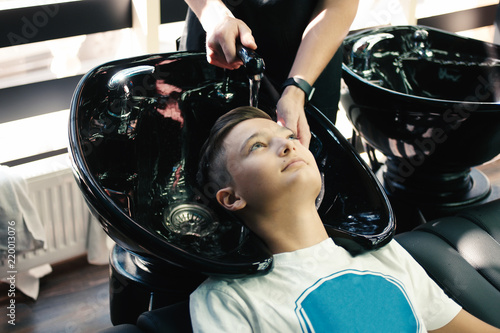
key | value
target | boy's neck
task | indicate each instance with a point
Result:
(290, 230)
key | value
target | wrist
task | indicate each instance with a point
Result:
(300, 84)
(294, 94)
(213, 15)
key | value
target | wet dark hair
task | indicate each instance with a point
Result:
(212, 169)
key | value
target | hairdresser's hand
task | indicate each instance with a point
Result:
(222, 40)
(290, 112)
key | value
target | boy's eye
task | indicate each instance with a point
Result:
(256, 146)
(293, 137)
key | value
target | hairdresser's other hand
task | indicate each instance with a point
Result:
(222, 40)
(291, 113)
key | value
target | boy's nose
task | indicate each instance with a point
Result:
(286, 147)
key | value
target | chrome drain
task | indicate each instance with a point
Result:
(190, 219)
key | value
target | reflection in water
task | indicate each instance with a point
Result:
(355, 218)
(364, 223)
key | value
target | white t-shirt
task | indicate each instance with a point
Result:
(324, 289)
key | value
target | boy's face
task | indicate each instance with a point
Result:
(267, 162)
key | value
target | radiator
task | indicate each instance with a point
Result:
(62, 210)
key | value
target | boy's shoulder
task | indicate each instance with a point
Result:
(225, 284)
(326, 254)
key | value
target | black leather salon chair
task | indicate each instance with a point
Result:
(462, 254)
(170, 319)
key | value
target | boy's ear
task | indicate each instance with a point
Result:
(228, 199)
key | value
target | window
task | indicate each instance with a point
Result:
(47, 46)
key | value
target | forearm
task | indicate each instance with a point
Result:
(322, 37)
(465, 322)
(223, 30)
(209, 12)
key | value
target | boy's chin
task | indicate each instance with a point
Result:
(308, 185)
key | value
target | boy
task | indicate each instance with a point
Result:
(270, 180)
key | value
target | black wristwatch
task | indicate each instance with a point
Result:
(301, 84)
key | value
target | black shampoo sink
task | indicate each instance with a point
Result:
(136, 129)
(429, 100)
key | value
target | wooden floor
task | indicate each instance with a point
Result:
(74, 297)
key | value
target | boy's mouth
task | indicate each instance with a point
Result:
(293, 162)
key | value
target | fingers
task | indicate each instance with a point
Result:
(295, 119)
(304, 133)
(246, 37)
(216, 55)
(221, 43)
(291, 113)
(300, 127)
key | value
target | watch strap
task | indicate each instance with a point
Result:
(301, 84)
